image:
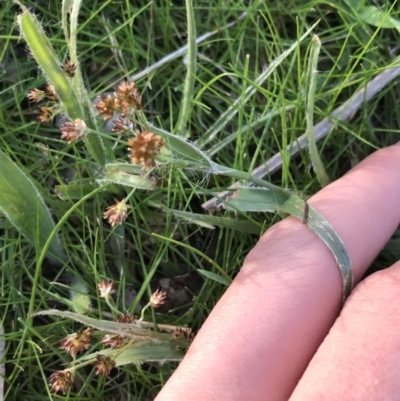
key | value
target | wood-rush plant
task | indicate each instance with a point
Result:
(125, 340)
(148, 148)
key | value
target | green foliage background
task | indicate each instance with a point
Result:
(118, 39)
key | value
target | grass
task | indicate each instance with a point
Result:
(116, 40)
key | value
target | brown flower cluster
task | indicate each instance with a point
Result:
(185, 336)
(183, 333)
(123, 126)
(126, 100)
(50, 93)
(46, 114)
(107, 106)
(125, 318)
(113, 341)
(104, 364)
(158, 298)
(129, 97)
(61, 381)
(76, 343)
(144, 147)
(69, 69)
(106, 288)
(36, 95)
(117, 213)
(73, 130)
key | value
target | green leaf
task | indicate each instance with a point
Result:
(79, 295)
(321, 227)
(121, 174)
(74, 191)
(214, 277)
(209, 221)
(117, 243)
(23, 205)
(250, 199)
(355, 4)
(129, 330)
(311, 81)
(373, 16)
(190, 80)
(65, 9)
(162, 352)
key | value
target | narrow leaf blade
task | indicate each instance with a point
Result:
(215, 277)
(23, 205)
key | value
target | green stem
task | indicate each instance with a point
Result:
(142, 312)
(242, 175)
(191, 71)
(113, 309)
(311, 82)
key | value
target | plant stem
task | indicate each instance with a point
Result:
(311, 81)
(191, 70)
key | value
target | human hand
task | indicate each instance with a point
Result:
(274, 319)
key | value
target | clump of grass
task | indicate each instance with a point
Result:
(243, 99)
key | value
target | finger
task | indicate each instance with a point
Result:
(360, 358)
(263, 332)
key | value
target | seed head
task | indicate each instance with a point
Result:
(61, 380)
(107, 106)
(46, 115)
(69, 69)
(144, 147)
(113, 341)
(129, 97)
(117, 213)
(106, 288)
(158, 298)
(125, 318)
(123, 126)
(50, 93)
(104, 364)
(183, 333)
(73, 130)
(36, 95)
(77, 342)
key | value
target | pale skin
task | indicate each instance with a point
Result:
(280, 333)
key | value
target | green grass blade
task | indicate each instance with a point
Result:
(209, 221)
(127, 175)
(66, 7)
(256, 200)
(215, 277)
(296, 207)
(311, 81)
(374, 16)
(227, 116)
(23, 205)
(162, 352)
(186, 103)
(74, 191)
